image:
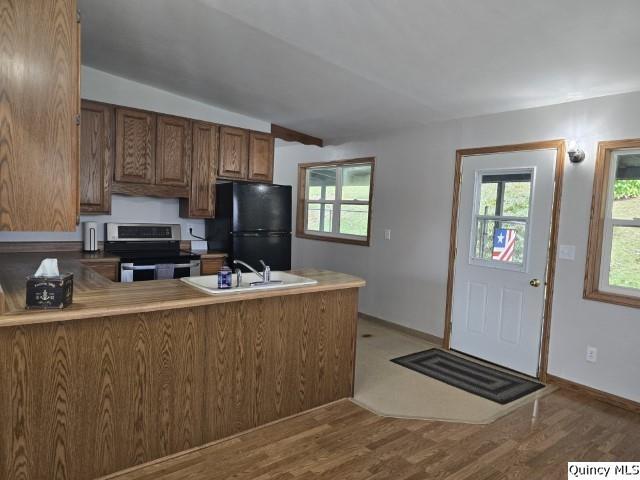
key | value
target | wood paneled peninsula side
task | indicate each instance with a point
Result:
(134, 372)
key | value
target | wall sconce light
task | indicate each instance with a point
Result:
(576, 154)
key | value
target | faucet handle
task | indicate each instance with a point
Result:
(266, 273)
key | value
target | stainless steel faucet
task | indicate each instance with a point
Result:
(265, 276)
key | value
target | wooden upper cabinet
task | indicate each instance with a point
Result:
(96, 157)
(135, 146)
(260, 157)
(39, 109)
(234, 153)
(173, 151)
(201, 201)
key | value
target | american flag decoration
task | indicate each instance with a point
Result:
(504, 243)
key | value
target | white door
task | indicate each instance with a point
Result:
(504, 224)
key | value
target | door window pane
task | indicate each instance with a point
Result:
(356, 182)
(517, 196)
(501, 241)
(322, 184)
(624, 269)
(507, 195)
(354, 219)
(488, 198)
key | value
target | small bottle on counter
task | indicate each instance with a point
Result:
(225, 278)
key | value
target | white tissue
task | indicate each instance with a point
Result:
(48, 268)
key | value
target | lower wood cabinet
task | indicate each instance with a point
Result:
(211, 265)
(81, 399)
(96, 157)
(202, 198)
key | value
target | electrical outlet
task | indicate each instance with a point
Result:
(592, 354)
(387, 234)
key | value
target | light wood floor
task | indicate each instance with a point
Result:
(343, 441)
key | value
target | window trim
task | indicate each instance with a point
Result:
(302, 203)
(596, 247)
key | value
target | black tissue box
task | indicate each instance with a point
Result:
(50, 292)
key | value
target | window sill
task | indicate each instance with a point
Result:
(326, 238)
(614, 298)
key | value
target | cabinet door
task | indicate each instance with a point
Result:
(96, 157)
(173, 151)
(39, 108)
(234, 153)
(201, 201)
(211, 266)
(261, 157)
(135, 146)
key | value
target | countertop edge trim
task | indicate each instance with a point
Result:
(40, 317)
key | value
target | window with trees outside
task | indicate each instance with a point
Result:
(613, 258)
(334, 201)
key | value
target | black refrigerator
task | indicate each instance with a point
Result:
(252, 223)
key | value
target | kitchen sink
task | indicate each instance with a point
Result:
(209, 283)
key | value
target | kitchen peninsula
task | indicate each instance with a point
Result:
(130, 373)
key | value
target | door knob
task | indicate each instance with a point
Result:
(535, 282)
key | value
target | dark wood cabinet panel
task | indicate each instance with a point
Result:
(173, 151)
(234, 153)
(135, 146)
(201, 201)
(260, 157)
(271, 358)
(96, 157)
(39, 108)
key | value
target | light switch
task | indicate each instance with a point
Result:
(567, 252)
(387, 234)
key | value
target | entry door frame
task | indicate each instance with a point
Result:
(560, 147)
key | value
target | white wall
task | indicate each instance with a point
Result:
(104, 87)
(406, 276)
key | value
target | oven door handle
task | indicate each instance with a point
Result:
(138, 267)
(153, 267)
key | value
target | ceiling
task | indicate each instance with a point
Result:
(339, 69)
